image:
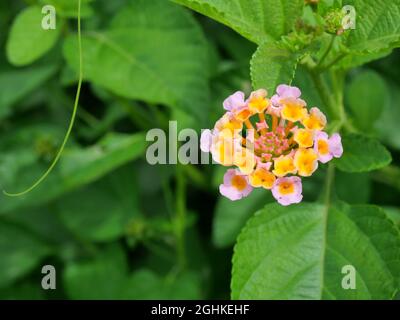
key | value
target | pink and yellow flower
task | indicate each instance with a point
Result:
(326, 148)
(284, 142)
(287, 190)
(236, 185)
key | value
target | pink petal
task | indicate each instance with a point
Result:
(335, 145)
(206, 140)
(230, 193)
(234, 101)
(286, 91)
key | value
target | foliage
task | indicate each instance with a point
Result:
(117, 228)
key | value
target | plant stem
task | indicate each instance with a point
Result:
(180, 217)
(333, 62)
(389, 175)
(327, 51)
(330, 175)
(324, 93)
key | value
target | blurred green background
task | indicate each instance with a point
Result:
(111, 224)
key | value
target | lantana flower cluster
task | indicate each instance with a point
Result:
(271, 143)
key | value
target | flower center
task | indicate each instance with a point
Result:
(239, 182)
(271, 144)
(286, 188)
(323, 147)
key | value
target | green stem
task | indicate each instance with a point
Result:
(196, 176)
(180, 217)
(333, 62)
(327, 51)
(324, 93)
(389, 175)
(330, 175)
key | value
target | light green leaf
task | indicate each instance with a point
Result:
(272, 65)
(256, 20)
(154, 51)
(102, 211)
(20, 252)
(98, 278)
(366, 96)
(77, 167)
(361, 154)
(229, 217)
(26, 80)
(297, 253)
(377, 25)
(27, 40)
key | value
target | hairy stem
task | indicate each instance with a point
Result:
(325, 94)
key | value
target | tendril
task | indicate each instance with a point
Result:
(72, 121)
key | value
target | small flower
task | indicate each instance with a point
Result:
(293, 109)
(304, 137)
(236, 185)
(283, 92)
(287, 190)
(326, 148)
(284, 165)
(238, 106)
(228, 121)
(235, 101)
(316, 120)
(258, 101)
(306, 162)
(262, 177)
(245, 160)
(287, 143)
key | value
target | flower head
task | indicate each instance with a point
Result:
(284, 142)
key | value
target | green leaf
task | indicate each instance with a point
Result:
(20, 252)
(154, 51)
(147, 285)
(271, 65)
(98, 278)
(23, 291)
(367, 96)
(102, 211)
(388, 125)
(77, 167)
(361, 154)
(256, 20)
(69, 8)
(229, 217)
(354, 188)
(297, 253)
(393, 214)
(377, 25)
(27, 40)
(356, 59)
(42, 221)
(26, 80)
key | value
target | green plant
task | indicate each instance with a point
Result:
(116, 227)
